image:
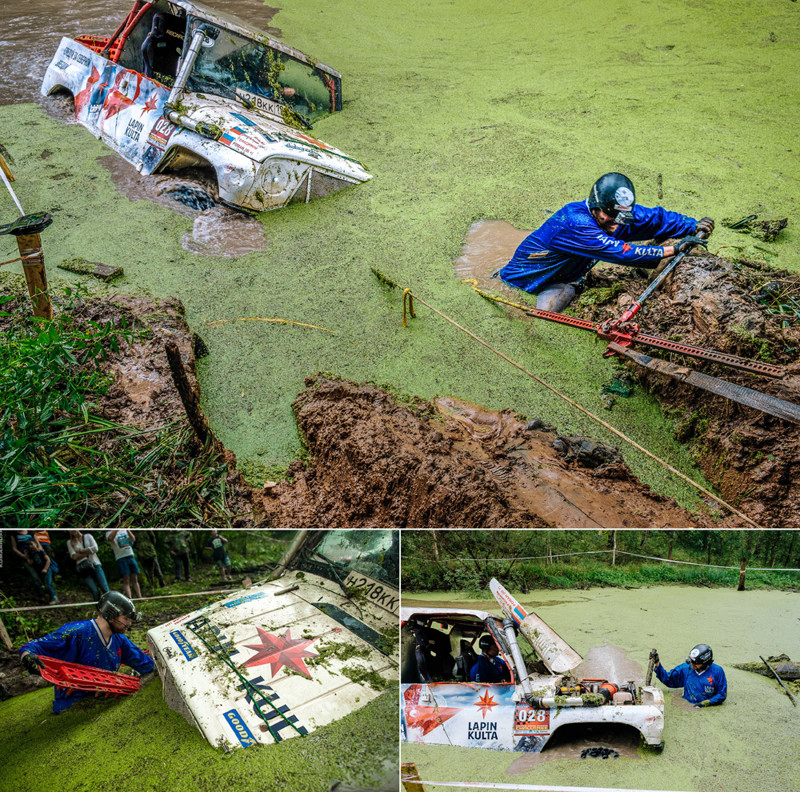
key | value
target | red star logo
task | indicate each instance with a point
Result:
(625, 247)
(150, 104)
(485, 704)
(425, 718)
(280, 651)
(710, 679)
(116, 100)
(82, 97)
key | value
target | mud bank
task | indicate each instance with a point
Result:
(745, 744)
(381, 462)
(715, 303)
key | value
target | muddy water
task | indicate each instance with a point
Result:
(217, 230)
(488, 246)
(30, 31)
(720, 749)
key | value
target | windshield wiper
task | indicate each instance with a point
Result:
(335, 573)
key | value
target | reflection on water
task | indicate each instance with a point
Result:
(31, 30)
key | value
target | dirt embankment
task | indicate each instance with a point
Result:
(378, 462)
(710, 302)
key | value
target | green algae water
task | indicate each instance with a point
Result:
(746, 744)
(460, 114)
(138, 743)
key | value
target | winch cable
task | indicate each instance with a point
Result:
(251, 689)
(408, 310)
(723, 358)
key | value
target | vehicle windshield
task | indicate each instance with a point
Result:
(371, 553)
(265, 78)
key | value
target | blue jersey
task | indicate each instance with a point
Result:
(82, 642)
(571, 242)
(709, 685)
(489, 669)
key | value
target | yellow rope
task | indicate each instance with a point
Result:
(621, 435)
(219, 322)
(473, 284)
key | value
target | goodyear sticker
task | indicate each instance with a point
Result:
(188, 650)
(243, 734)
(246, 598)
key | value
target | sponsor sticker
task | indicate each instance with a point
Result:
(529, 720)
(243, 734)
(188, 650)
(246, 598)
(161, 133)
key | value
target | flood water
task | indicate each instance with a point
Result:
(30, 31)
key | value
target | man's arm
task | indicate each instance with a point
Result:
(674, 678)
(131, 655)
(721, 684)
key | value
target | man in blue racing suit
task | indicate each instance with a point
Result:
(99, 642)
(489, 668)
(552, 259)
(702, 680)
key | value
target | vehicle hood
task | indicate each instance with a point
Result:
(259, 138)
(296, 648)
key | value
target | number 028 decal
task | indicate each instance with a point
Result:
(528, 719)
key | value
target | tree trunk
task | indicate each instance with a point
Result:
(742, 571)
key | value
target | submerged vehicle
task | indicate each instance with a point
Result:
(440, 703)
(179, 85)
(286, 656)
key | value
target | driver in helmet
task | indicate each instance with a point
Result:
(702, 680)
(100, 642)
(551, 261)
(490, 667)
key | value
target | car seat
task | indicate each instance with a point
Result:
(161, 50)
(434, 661)
(465, 660)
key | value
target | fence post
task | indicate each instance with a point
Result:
(742, 571)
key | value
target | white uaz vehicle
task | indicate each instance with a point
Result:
(179, 85)
(286, 656)
(440, 703)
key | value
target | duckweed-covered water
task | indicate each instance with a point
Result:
(461, 113)
(749, 743)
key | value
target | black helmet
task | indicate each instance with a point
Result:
(614, 195)
(701, 655)
(486, 642)
(114, 603)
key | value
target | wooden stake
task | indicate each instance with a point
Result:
(30, 247)
(409, 775)
(5, 636)
(742, 571)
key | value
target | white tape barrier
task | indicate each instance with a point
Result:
(619, 552)
(531, 787)
(92, 604)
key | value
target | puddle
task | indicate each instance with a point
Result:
(217, 230)
(602, 742)
(489, 245)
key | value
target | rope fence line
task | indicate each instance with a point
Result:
(92, 604)
(408, 310)
(527, 787)
(618, 552)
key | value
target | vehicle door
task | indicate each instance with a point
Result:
(461, 712)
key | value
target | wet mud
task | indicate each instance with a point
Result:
(376, 461)
(709, 302)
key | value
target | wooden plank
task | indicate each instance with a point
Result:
(409, 775)
(96, 269)
(738, 393)
(5, 637)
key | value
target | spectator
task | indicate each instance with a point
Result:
(82, 549)
(43, 537)
(44, 566)
(100, 642)
(19, 546)
(148, 555)
(179, 549)
(122, 544)
(217, 547)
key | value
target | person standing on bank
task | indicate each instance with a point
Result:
(82, 549)
(121, 542)
(179, 549)
(100, 642)
(44, 566)
(702, 680)
(551, 261)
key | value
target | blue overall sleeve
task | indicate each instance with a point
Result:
(675, 678)
(131, 655)
(657, 223)
(721, 684)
